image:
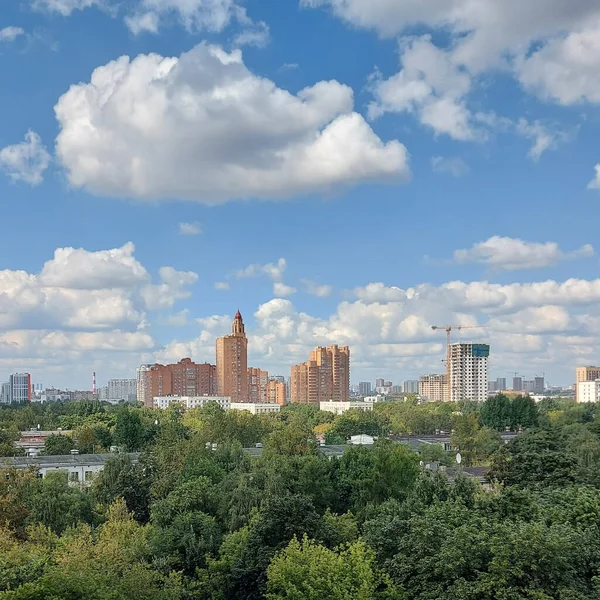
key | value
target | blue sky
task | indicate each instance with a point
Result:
(364, 142)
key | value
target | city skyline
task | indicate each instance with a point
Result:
(400, 170)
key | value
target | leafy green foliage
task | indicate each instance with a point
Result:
(195, 517)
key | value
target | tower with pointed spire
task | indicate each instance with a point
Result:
(232, 362)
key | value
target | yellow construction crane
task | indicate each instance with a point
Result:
(448, 329)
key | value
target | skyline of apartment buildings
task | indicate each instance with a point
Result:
(325, 376)
(232, 362)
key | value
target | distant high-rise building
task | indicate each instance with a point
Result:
(539, 385)
(232, 362)
(528, 385)
(20, 387)
(433, 388)
(257, 385)
(276, 392)
(411, 386)
(185, 378)
(492, 386)
(585, 374)
(501, 383)
(5, 393)
(388, 384)
(468, 371)
(325, 376)
(364, 388)
(379, 382)
(122, 389)
(396, 389)
(517, 385)
(141, 386)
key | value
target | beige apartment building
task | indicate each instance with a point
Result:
(258, 380)
(585, 374)
(276, 392)
(325, 376)
(232, 363)
(434, 388)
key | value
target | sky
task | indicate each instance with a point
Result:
(346, 172)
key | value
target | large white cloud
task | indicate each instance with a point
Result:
(484, 30)
(511, 254)
(203, 127)
(532, 327)
(82, 307)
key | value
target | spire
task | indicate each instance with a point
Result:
(238, 324)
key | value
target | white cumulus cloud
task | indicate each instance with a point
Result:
(11, 33)
(203, 127)
(190, 229)
(281, 290)
(273, 270)
(27, 160)
(511, 254)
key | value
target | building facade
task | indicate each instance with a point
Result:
(232, 363)
(325, 376)
(364, 388)
(185, 378)
(588, 391)
(189, 402)
(258, 380)
(122, 389)
(256, 408)
(339, 408)
(517, 385)
(468, 372)
(433, 388)
(411, 386)
(583, 374)
(277, 392)
(20, 388)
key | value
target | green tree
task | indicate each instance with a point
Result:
(129, 430)
(57, 505)
(496, 412)
(309, 571)
(58, 444)
(524, 412)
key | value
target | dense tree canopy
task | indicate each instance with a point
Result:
(197, 517)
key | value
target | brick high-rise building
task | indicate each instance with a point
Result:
(185, 378)
(257, 385)
(276, 392)
(325, 376)
(232, 362)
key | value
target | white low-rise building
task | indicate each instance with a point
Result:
(189, 402)
(339, 408)
(378, 398)
(588, 391)
(362, 440)
(80, 468)
(256, 408)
